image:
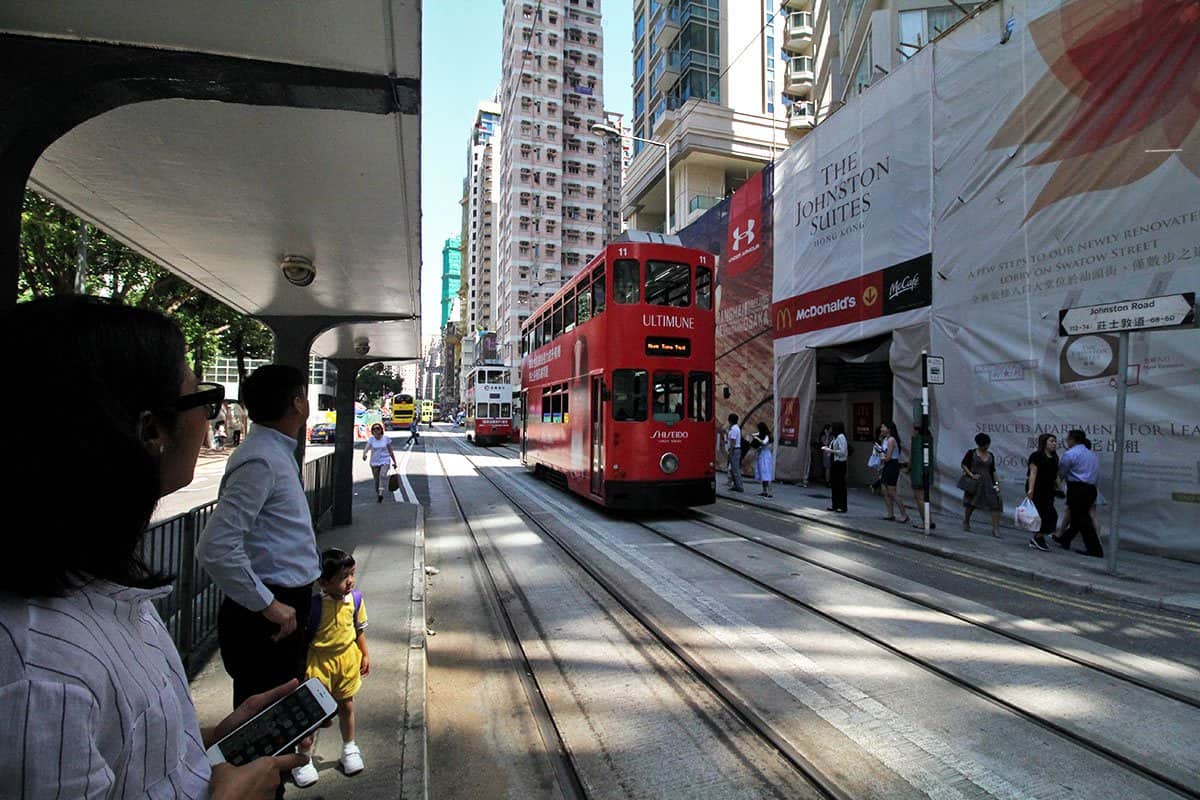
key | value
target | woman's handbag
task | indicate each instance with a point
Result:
(394, 482)
(968, 484)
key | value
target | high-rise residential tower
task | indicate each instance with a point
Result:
(451, 275)
(479, 218)
(556, 182)
(707, 79)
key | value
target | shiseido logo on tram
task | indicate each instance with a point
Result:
(909, 284)
(667, 321)
(669, 436)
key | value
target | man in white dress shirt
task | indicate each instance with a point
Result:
(259, 545)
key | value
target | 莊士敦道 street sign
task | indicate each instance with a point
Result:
(1168, 311)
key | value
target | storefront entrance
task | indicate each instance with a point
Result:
(854, 387)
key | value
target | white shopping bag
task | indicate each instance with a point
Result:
(1026, 516)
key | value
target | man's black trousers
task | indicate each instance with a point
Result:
(1080, 499)
(256, 663)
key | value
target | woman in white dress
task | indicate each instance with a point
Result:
(379, 448)
(764, 464)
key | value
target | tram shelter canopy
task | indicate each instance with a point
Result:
(217, 138)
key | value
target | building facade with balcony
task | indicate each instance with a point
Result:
(857, 42)
(707, 79)
(556, 196)
(479, 202)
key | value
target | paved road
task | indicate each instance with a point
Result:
(855, 685)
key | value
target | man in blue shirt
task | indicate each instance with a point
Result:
(259, 545)
(1080, 467)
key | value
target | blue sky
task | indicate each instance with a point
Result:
(461, 66)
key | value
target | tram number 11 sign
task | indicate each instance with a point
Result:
(1150, 313)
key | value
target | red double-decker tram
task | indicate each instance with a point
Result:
(617, 379)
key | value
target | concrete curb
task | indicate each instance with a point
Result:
(1081, 586)
(414, 739)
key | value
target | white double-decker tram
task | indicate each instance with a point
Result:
(489, 405)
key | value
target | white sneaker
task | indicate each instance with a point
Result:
(351, 759)
(306, 775)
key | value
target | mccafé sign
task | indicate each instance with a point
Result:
(897, 288)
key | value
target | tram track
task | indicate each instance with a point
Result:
(492, 564)
(1130, 762)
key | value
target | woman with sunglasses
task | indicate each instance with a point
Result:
(93, 697)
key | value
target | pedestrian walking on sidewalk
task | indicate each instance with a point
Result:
(734, 440)
(93, 694)
(414, 428)
(890, 474)
(1040, 483)
(980, 483)
(259, 546)
(337, 655)
(916, 471)
(1080, 467)
(839, 450)
(379, 448)
(764, 462)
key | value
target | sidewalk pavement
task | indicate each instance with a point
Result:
(388, 544)
(1145, 580)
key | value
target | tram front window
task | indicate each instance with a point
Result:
(668, 397)
(668, 284)
(625, 281)
(629, 392)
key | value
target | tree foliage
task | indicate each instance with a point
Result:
(376, 380)
(50, 245)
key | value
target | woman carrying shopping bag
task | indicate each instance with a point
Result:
(379, 448)
(1040, 486)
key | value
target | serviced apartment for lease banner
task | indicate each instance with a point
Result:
(1042, 155)
(1067, 173)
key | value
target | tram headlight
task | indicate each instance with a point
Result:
(669, 463)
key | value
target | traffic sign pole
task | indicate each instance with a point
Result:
(925, 435)
(1114, 531)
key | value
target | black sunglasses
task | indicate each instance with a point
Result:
(209, 395)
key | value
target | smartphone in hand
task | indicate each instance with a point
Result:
(278, 727)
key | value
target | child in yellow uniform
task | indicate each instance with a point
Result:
(337, 653)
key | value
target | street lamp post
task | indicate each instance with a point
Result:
(608, 130)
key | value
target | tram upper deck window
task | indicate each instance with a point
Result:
(668, 284)
(703, 287)
(569, 312)
(598, 291)
(625, 281)
(629, 395)
(557, 317)
(668, 397)
(584, 302)
(700, 396)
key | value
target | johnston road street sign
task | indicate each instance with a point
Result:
(1149, 313)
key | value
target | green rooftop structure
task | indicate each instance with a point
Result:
(451, 275)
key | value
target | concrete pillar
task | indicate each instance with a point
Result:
(343, 446)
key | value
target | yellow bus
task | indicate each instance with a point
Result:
(427, 412)
(402, 411)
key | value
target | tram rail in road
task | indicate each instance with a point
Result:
(1168, 763)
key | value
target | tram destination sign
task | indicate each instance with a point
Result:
(1149, 313)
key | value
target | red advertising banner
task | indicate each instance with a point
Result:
(789, 421)
(746, 240)
(849, 301)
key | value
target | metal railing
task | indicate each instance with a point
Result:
(169, 546)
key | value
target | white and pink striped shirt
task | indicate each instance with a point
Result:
(94, 702)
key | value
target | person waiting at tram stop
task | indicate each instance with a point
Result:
(734, 446)
(92, 690)
(764, 461)
(839, 451)
(889, 474)
(916, 471)
(980, 483)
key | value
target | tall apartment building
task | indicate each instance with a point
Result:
(478, 236)
(451, 276)
(707, 78)
(556, 181)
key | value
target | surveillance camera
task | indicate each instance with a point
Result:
(299, 270)
(362, 346)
